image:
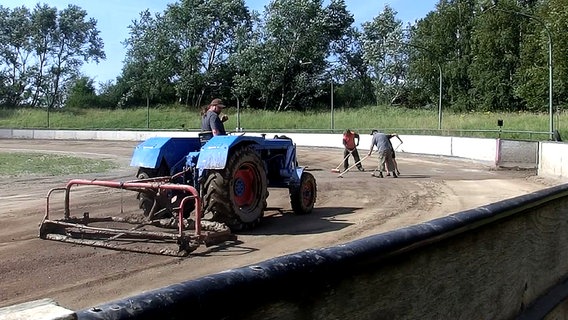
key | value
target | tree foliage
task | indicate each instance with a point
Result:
(471, 54)
(284, 58)
(41, 50)
(82, 93)
(382, 41)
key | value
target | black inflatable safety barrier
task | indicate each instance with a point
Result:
(469, 265)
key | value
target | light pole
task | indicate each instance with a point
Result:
(440, 98)
(147, 113)
(332, 120)
(238, 113)
(550, 84)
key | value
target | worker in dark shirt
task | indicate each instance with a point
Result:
(212, 121)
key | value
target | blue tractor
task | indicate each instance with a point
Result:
(231, 173)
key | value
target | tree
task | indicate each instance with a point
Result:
(446, 36)
(110, 92)
(352, 72)
(496, 59)
(147, 67)
(16, 56)
(382, 39)
(41, 50)
(288, 56)
(74, 41)
(208, 41)
(81, 94)
(555, 14)
(44, 22)
(531, 79)
(187, 47)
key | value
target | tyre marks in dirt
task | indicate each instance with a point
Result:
(346, 209)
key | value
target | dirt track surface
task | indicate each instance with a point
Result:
(349, 208)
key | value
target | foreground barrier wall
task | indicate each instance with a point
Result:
(493, 262)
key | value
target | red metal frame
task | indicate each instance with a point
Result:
(160, 184)
(135, 186)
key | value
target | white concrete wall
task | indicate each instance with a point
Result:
(549, 157)
(5, 133)
(432, 145)
(470, 148)
(553, 160)
(475, 148)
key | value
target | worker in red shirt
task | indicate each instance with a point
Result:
(350, 142)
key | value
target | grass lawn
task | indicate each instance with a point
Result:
(20, 164)
(517, 125)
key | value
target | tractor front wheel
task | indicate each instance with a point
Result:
(155, 203)
(146, 200)
(303, 196)
(237, 195)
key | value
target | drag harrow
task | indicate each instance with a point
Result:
(133, 232)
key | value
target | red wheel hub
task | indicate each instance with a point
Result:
(244, 186)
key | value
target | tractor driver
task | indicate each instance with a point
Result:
(212, 121)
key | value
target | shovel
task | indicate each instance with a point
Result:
(356, 163)
(336, 170)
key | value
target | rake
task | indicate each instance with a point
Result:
(356, 163)
(336, 170)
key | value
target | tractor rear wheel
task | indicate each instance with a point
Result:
(237, 195)
(303, 196)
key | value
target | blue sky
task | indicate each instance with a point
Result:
(114, 16)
